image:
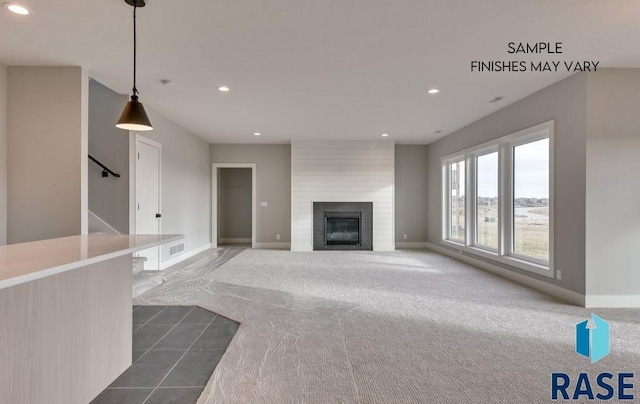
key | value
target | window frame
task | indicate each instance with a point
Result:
(447, 199)
(475, 155)
(504, 146)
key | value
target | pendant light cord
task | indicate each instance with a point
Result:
(135, 90)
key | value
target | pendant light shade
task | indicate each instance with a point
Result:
(134, 116)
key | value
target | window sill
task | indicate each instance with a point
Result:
(507, 260)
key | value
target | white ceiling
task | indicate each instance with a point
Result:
(321, 69)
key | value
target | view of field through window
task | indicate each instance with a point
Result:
(531, 200)
(487, 201)
(457, 208)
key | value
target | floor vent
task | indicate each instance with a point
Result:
(176, 249)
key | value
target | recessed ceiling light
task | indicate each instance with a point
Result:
(385, 134)
(256, 134)
(434, 91)
(167, 82)
(438, 131)
(224, 89)
(16, 8)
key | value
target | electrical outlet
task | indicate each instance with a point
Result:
(558, 274)
(277, 237)
(264, 204)
(405, 236)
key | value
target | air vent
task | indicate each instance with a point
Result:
(176, 249)
(497, 99)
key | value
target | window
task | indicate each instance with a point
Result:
(457, 193)
(506, 205)
(487, 220)
(531, 200)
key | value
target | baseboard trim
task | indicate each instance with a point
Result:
(188, 254)
(411, 244)
(273, 246)
(234, 241)
(612, 301)
(544, 287)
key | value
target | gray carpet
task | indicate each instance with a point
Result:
(401, 327)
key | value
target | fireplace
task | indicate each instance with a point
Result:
(343, 226)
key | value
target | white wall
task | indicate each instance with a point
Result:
(342, 171)
(47, 160)
(3, 155)
(613, 192)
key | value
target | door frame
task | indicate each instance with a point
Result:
(214, 199)
(133, 152)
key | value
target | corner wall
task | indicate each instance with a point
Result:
(47, 139)
(273, 178)
(3, 155)
(566, 103)
(613, 192)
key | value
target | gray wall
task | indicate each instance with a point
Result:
(411, 167)
(613, 192)
(3, 155)
(108, 197)
(234, 219)
(273, 172)
(47, 141)
(566, 102)
(186, 183)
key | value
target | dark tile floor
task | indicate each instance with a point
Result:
(175, 350)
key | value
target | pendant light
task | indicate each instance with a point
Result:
(133, 116)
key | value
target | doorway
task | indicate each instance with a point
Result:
(146, 196)
(233, 204)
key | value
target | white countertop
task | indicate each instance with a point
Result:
(25, 262)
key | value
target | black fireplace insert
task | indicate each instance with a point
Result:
(342, 225)
(342, 228)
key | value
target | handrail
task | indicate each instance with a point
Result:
(105, 170)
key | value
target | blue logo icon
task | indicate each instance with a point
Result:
(592, 339)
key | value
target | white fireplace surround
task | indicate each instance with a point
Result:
(342, 171)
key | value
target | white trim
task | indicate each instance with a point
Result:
(105, 224)
(612, 301)
(132, 183)
(179, 258)
(136, 138)
(133, 142)
(504, 146)
(234, 241)
(410, 244)
(214, 199)
(273, 246)
(84, 152)
(545, 287)
(505, 259)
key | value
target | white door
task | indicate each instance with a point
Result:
(148, 197)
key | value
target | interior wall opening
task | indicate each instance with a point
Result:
(234, 206)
